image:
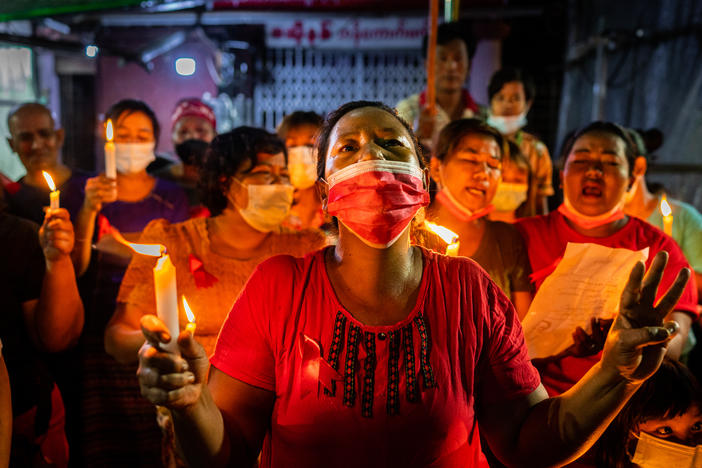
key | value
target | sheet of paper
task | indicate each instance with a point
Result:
(587, 283)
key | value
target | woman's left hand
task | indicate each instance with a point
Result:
(637, 341)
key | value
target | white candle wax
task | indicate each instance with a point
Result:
(167, 299)
(54, 199)
(668, 224)
(110, 162)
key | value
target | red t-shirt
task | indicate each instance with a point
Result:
(354, 395)
(546, 238)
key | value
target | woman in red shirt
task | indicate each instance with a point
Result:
(596, 172)
(378, 353)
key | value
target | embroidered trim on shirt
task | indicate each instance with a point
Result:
(400, 341)
(425, 337)
(350, 366)
(410, 373)
(335, 349)
(369, 377)
(393, 402)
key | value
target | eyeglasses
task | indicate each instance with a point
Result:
(265, 174)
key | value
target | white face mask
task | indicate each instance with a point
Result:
(133, 157)
(509, 196)
(302, 166)
(652, 452)
(507, 125)
(268, 206)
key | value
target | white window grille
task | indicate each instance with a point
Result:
(16, 86)
(321, 80)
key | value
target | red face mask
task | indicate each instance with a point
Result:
(377, 199)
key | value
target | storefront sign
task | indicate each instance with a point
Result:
(354, 33)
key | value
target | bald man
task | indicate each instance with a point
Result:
(37, 142)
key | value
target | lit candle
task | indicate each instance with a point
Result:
(452, 249)
(54, 195)
(190, 327)
(447, 235)
(165, 288)
(110, 163)
(667, 213)
(167, 298)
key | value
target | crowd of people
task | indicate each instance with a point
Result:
(336, 324)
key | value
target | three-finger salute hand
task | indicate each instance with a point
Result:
(639, 336)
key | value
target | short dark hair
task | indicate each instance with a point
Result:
(131, 106)
(228, 154)
(600, 126)
(297, 119)
(669, 393)
(507, 75)
(452, 133)
(638, 141)
(323, 139)
(447, 32)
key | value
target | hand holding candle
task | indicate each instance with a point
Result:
(56, 235)
(54, 195)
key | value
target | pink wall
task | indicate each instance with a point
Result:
(160, 89)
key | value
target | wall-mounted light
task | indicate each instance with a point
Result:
(160, 47)
(185, 66)
(91, 50)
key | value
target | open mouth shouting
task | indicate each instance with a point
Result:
(592, 190)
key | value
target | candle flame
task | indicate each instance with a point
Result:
(188, 312)
(151, 250)
(49, 181)
(446, 234)
(108, 130)
(665, 207)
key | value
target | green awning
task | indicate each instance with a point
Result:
(24, 9)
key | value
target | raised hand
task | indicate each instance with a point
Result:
(639, 336)
(165, 378)
(99, 190)
(56, 235)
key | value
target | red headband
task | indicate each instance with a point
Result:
(193, 108)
